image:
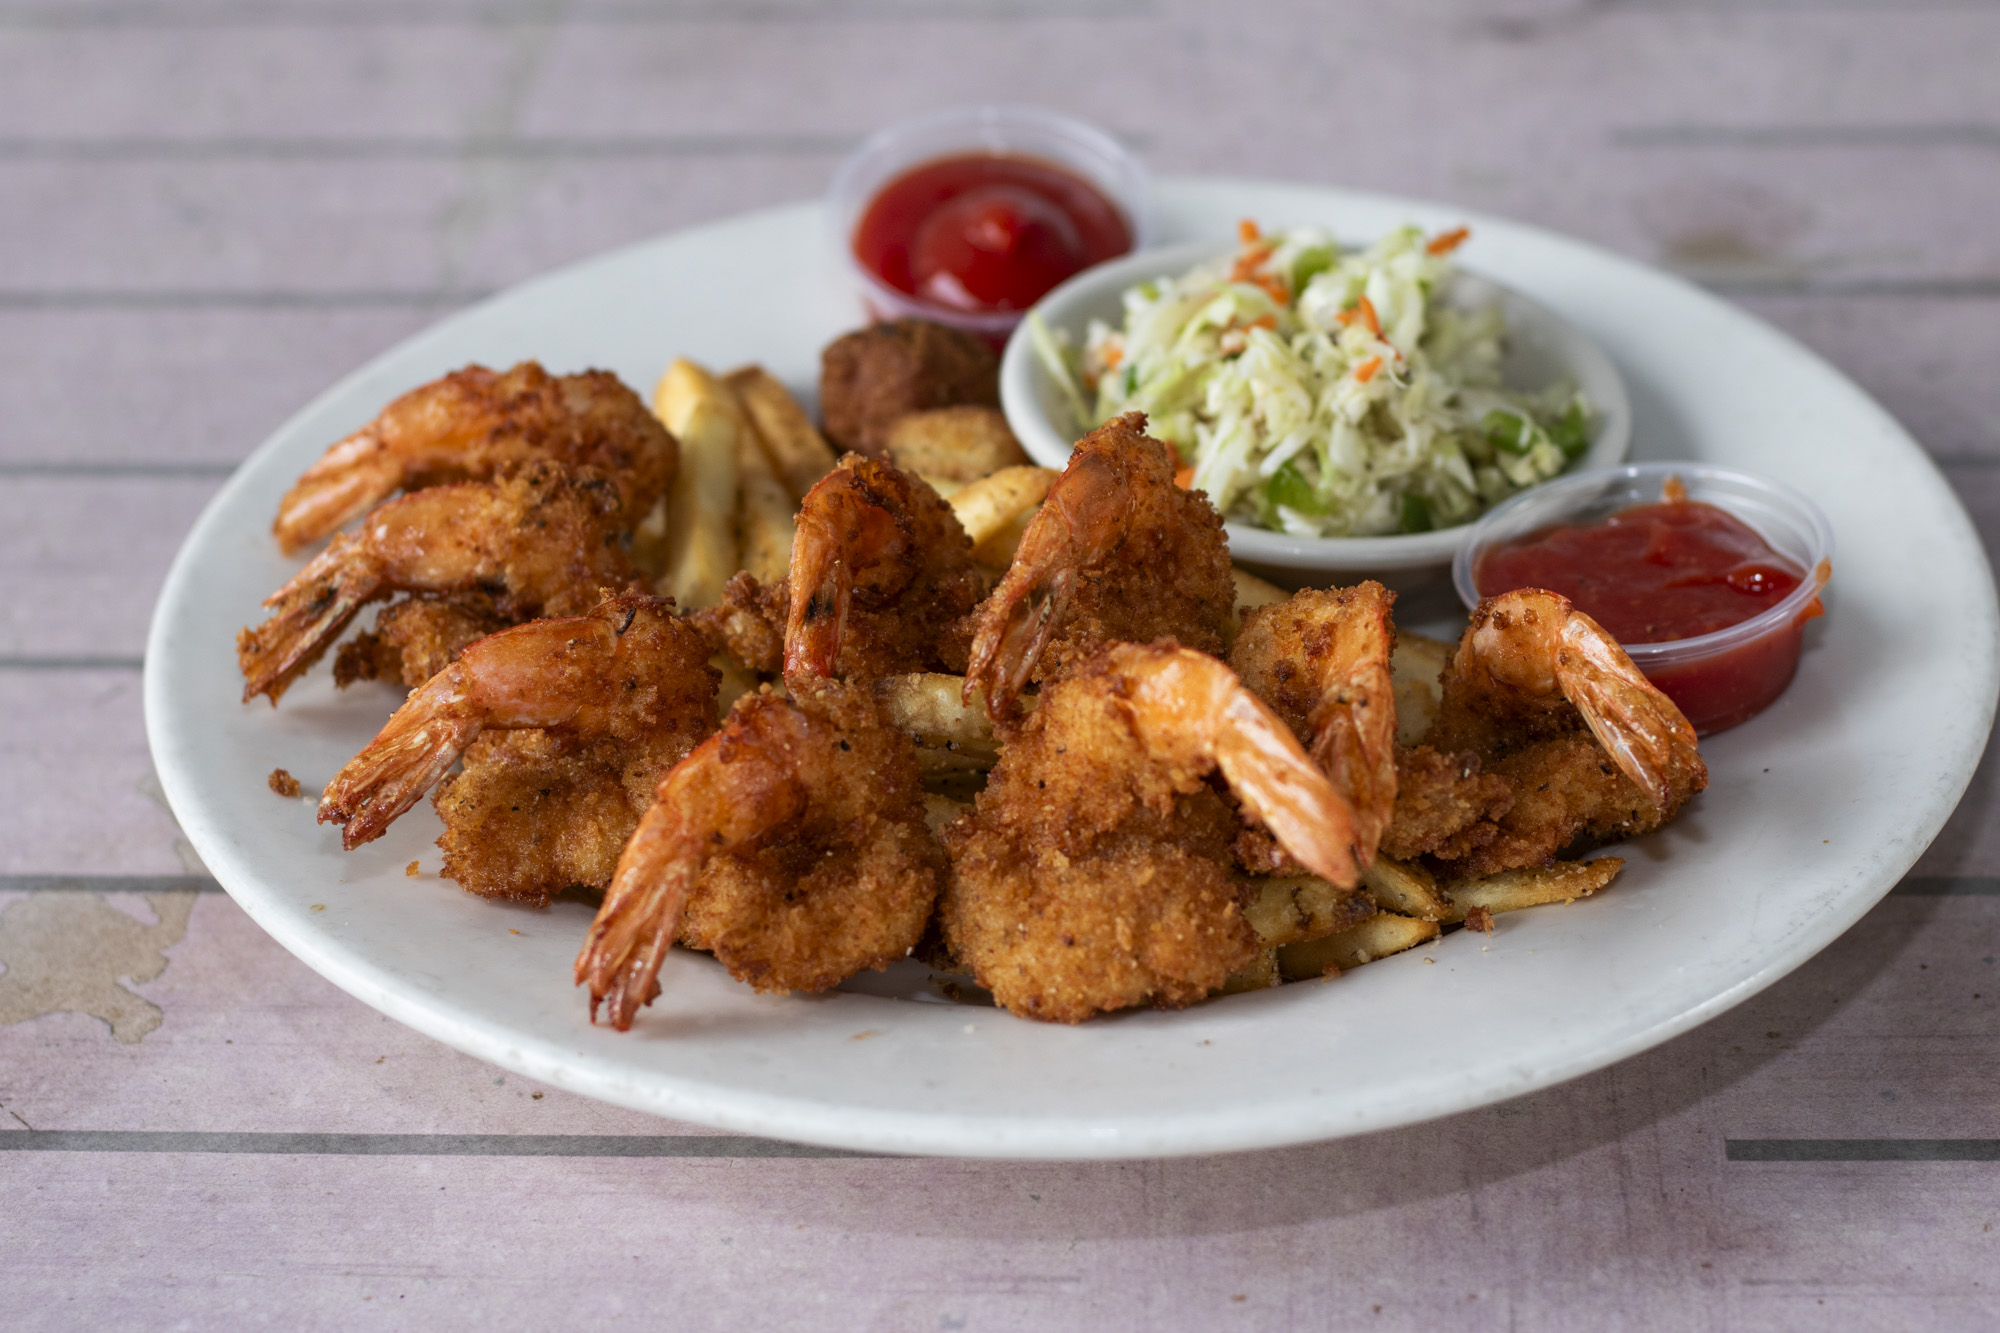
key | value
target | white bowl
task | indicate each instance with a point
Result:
(1541, 349)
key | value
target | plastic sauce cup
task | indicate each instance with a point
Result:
(1718, 679)
(1001, 130)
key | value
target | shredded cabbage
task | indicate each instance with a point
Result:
(1323, 392)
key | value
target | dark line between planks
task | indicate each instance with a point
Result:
(70, 662)
(412, 149)
(223, 298)
(1862, 1150)
(532, 14)
(57, 469)
(409, 1145)
(1965, 135)
(108, 884)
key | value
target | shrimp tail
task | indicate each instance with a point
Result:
(1082, 520)
(1354, 730)
(1642, 731)
(621, 955)
(822, 588)
(308, 615)
(412, 752)
(1178, 695)
(347, 481)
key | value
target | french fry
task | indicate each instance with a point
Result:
(998, 550)
(1260, 975)
(961, 444)
(700, 543)
(1408, 889)
(991, 503)
(1414, 667)
(764, 512)
(1252, 591)
(1511, 890)
(1377, 937)
(736, 682)
(926, 705)
(1288, 909)
(799, 454)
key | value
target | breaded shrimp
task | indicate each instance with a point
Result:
(416, 638)
(792, 845)
(475, 425)
(1095, 872)
(544, 541)
(1321, 661)
(1553, 706)
(615, 698)
(881, 577)
(1117, 552)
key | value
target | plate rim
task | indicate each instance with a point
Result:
(874, 1129)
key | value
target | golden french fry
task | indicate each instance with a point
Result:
(991, 503)
(1377, 937)
(1511, 890)
(961, 444)
(799, 454)
(737, 681)
(998, 550)
(927, 706)
(1409, 889)
(944, 487)
(700, 545)
(1252, 591)
(765, 508)
(941, 810)
(1414, 667)
(1260, 975)
(1287, 909)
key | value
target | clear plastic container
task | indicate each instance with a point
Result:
(1009, 130)
(1717, 679)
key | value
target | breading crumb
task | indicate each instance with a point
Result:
(1479, 919)
(413, 869)
(283, 783)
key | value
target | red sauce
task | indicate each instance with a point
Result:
(1662, 572)
(986, 232)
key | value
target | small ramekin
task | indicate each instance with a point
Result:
(1010, 130)
(1761, 653)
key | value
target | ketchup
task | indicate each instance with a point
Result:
(987, 232)
(1662, 572)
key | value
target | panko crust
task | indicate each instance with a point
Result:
(872, 376)
(535, 812)
(1088, 877)
(416, 638)
(1286, 650)
(846, 886)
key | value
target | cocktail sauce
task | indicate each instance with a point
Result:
(987, 232)
(1661, 573)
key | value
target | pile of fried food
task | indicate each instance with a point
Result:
(814, 715)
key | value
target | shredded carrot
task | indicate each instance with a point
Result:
(1367, 370)
(1247, 232)
(1113, 354)
(1263, 322)
(1246, 265)
(1364, 311)
(1446, 242)
(1185, 478)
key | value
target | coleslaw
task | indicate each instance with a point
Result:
(1322, 391)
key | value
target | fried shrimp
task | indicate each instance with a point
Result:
(543, 541)
(418, 637)
(881, 577)
(1585, 743)
(617, 697)
(1321, 661)
(475, 425)
(1095, 871)
(792, 845)
(1117, 552)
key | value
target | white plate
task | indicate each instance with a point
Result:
(1542, 349)
(1816, 807)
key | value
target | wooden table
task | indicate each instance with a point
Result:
(209, 210)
